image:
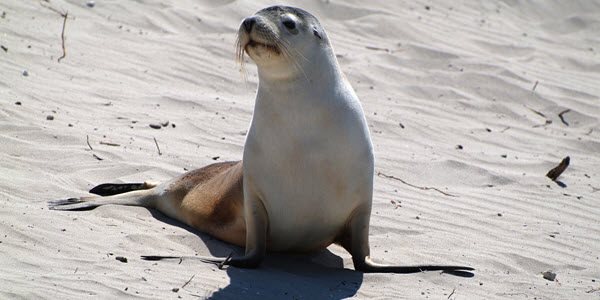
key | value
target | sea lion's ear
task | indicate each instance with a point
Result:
(316, 32)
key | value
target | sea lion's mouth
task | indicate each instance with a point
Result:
(260, 45)
(256, 44)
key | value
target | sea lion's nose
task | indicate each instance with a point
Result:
(249, 23)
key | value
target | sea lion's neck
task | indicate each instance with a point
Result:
(303, 81)
(300, 65)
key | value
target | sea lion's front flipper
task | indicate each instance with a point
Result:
(355, 239)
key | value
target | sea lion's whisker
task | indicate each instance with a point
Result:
(285, 51)
(288, 55)
(296, 50)
(240, 59)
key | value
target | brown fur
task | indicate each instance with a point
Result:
(211, 200)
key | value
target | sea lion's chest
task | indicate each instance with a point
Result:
(308, 164)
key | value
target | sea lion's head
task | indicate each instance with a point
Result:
(282, 39)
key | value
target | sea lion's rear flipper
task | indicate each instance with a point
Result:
(145, 197)
(355, 239)
(80, 203)
(109, 189)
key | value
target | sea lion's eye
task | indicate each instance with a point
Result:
(316, 33)
(289, 24)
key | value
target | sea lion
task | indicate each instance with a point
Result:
(306, 178)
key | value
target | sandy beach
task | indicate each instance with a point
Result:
(469, 105)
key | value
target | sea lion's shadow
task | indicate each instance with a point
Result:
(291, 276)
(281, 275)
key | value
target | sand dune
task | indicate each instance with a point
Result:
(464, 97)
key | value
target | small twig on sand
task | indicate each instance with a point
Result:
(540, 125)
(554, 173)
(377, 48)
(62, 35)
(52, 9)
(534, 86)
(535, 111)
(65, 15)
(155, 142)
(109, 144)
(412, 185)
(593, 290)
(87, 137)
(561, 116)
(188, 281)
(454, 289)
(97, 157)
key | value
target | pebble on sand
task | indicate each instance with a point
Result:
(549, 275)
